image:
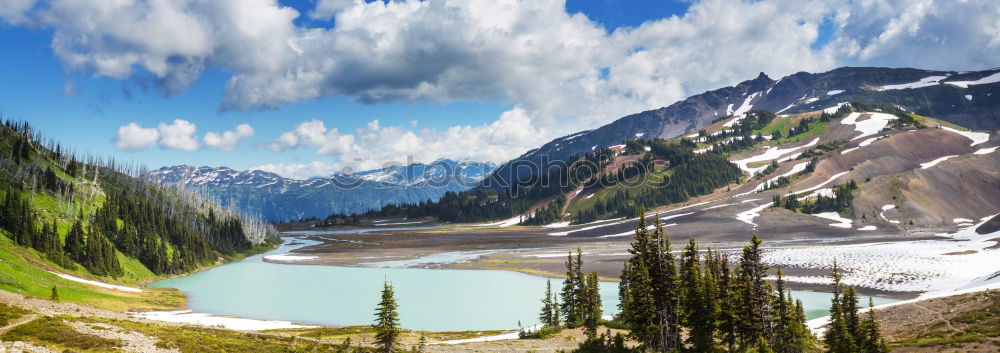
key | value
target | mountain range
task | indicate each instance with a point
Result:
(277, 198)
(964, 98)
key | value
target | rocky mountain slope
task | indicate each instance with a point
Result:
(968, 99)
(280, 199)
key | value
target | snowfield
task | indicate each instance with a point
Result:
(833, 216)
(988, 79)
(935, 162)
(232, 323)
(976, 137)
(770, 154)
(287, 257)
(749, 215)
(875, 123)
(96, 283)
(960, 260)
(924, 82)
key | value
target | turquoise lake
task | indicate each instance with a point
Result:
(429, 299)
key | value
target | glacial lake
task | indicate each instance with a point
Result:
(429, 299)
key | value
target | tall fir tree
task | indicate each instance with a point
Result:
(838, 338)
(871, 340)
(570, 312)
(549, 315)
(591, 304)
(754, 295)
(386, 326)
(75, 244)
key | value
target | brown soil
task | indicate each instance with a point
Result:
(962, 323)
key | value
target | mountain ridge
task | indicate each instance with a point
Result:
(945, 99)
(278, 198)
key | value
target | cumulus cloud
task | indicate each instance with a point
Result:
(179, 135)
(375, 145)
(562, 72)
(228, 140)
(301, 170)
(133, 137)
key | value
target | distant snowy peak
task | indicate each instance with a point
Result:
(397, 175)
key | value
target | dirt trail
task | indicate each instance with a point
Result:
(134, 341)
(19, 322)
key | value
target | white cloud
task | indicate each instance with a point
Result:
(374, 145)
(133, 137)
(301, 170)
(562, 72)
(178, 135)
(228, 140)
(326, 9)
(15, 11)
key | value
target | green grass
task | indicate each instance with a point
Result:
(49, 330)
(651, 178)
(976, 326)
(196, 339)
(10, 314)
(25, 274)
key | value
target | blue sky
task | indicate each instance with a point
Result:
(484, 80)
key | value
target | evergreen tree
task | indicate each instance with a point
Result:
(386, 326)
(570, 312)
(754, 295)
(699, 310)
(549, 314)
(838, 338)
(75, 244)
(591, 304)
(55, 294)
(871, 340)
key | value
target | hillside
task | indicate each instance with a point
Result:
(280, 199)
(967, 99)
(65, 221)
(866, 167)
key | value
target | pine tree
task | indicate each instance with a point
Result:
(55, 294)
(838, 338)
(754, 295)
(75, 246)
(849, 305)
(548, 316)
(571, 315)
(591, 304)
(698, 313)
(386, 326)
(871, 340)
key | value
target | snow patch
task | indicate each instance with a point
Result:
(834, 92)
(557, 225)
(287, 257)
(746, 106)
(834, 216)
(871, 126)
(749, 215)
(96, 283)
(985, 150)
(976, 137)
(924, 82)
(867, 228)
(232, 323)
(935, 162)
(968, 97)
(985, 80)
(771, 153)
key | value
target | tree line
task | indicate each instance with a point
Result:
(111, 210)
(700, 302)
